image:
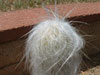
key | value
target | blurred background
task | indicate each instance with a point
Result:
(9, 5)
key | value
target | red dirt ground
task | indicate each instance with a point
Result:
(17, 23)
(19, 18)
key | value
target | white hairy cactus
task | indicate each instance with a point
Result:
(53, 48)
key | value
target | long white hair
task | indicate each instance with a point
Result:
(54, 47)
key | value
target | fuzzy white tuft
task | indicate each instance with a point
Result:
(53, 48)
